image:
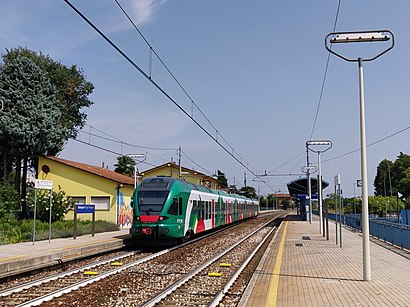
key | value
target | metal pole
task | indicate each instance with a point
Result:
(35, 210)
(340, 215)
(365, 205)
(179, 162)
(49, 221)
(135, 174)
(337, 241)
(319, 191)
(309, 187)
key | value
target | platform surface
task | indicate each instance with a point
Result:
(21, 257)
(302, 268)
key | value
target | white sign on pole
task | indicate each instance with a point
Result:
(43, 184)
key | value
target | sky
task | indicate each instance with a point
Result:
(254, 68)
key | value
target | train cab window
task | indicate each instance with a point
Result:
(173, 209)
(180, 206)
(151, 202)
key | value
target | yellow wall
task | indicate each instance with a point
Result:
(76, 182)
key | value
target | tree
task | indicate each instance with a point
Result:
(61, 204)
(53, 115)
(249, 192)
(382, 179)
(72, 89)
(222, 181)
(125, 165)
(29, 124)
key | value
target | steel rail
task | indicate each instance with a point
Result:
(157, 298)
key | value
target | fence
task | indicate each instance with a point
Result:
(383, 229)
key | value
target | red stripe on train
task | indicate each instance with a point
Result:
(149, 218)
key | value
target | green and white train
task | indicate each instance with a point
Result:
(169, 209)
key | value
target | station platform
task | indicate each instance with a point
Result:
(301, 268)
(22, 257)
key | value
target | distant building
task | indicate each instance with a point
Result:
(109, 191)
(171, 169)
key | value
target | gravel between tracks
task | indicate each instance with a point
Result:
(138, 284)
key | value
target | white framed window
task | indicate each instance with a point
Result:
(101, 202)
(79, 199)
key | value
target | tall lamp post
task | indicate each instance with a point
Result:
(138, 158)
(358, 37)
(319, 147)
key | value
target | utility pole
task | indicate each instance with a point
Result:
(179, 162)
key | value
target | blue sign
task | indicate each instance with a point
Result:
(305, 196)
(84, 208)
(359, 183)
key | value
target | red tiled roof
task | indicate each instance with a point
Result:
(96, 171)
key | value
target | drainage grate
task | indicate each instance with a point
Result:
(305, 238)
(298, 244)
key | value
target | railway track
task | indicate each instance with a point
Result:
(208, 284)
(139, 278)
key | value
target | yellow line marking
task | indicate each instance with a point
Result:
(272, 298)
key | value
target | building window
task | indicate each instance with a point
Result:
(101, 202)
(79, 199)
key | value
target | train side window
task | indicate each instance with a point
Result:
(180, 206)
(173, 209)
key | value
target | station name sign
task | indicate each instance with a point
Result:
(85, 208)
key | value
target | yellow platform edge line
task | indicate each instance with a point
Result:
(272, 297)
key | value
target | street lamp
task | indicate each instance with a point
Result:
(358, 37)
(309, 169)
(317, 147)
(138, 158)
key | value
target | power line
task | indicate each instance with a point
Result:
(151, 48)
(371, 144)
(156, 85)
(325, 75)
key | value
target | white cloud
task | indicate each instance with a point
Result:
(143, 10)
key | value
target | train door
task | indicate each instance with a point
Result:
(213, 214)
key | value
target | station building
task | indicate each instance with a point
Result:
(109, 191)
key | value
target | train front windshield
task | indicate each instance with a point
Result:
(151, 202)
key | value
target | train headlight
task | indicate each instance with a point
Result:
(163, 218)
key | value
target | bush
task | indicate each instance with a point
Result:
(9, 200)
(60, 204)
(14, 231)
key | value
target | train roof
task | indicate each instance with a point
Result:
(165, 183)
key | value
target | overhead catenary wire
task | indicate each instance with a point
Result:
(368, 145)
(325, 74)
(159, 88)
(152, 51)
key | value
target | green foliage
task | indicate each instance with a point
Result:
(9, 201)
(60, 204)
(29, 122)
(222, 181)
(399, 175)
(72, 88)
(249, 192)
(125, 165)
(383, 178)
(14, 231)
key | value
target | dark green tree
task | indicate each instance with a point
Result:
(29, 123)
(222, 181)
(125, 165)
(72, 89)
(382, 179)
(249, 192)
